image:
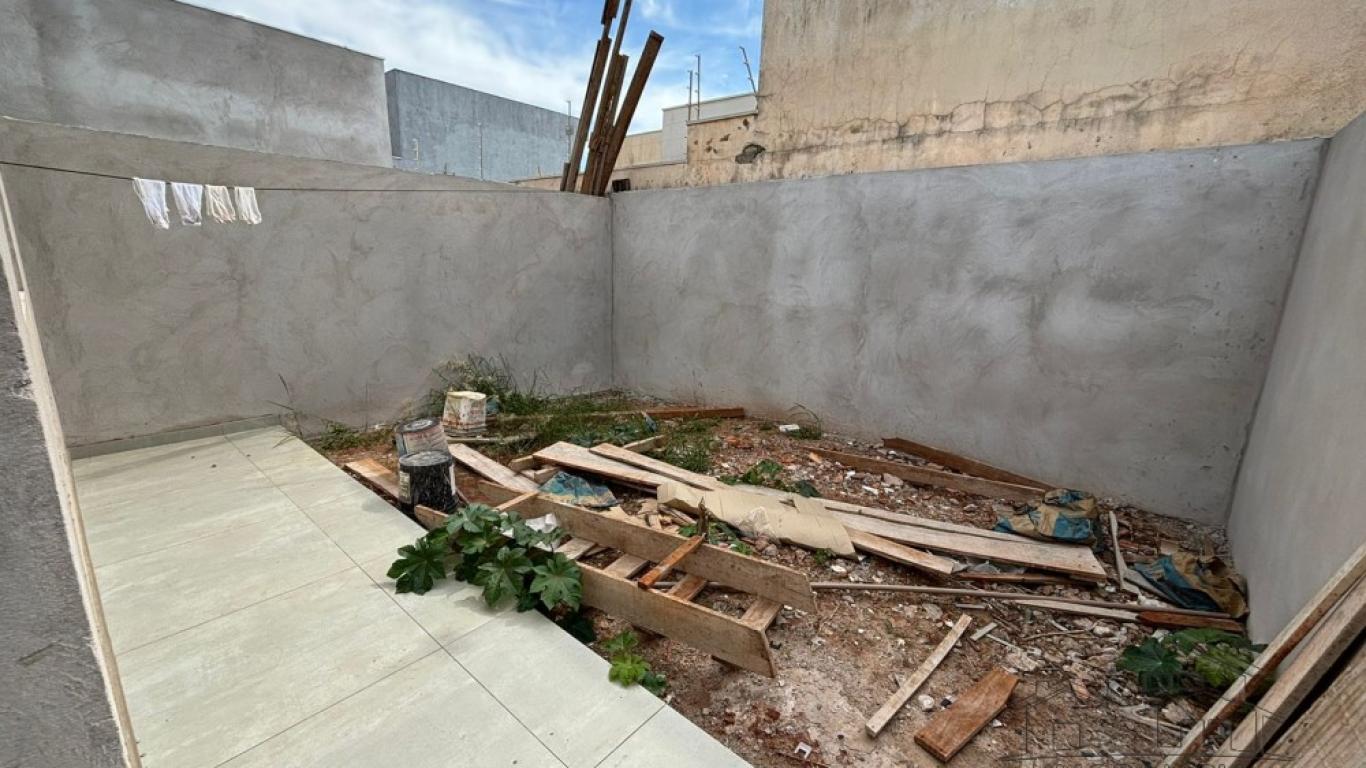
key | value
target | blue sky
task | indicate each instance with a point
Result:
(537, 51)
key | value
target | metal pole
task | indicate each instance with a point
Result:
(749, 72)
(481, 151)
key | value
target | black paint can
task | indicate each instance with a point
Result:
(427, 478)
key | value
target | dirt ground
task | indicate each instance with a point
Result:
(838, 664)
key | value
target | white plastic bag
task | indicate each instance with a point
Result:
(152, 193)
(246, 204)
(189, 201)
(219, 203)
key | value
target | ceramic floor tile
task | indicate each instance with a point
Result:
(671, 739)
(211, 462)
(210, 693)
(448, 612)
(277, 452)
(531, 665)
(364, 525)
(154, 595)
(431, 714)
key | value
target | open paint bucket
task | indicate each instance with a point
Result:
(419, 435)
(464, 413)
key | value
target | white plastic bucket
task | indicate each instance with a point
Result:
(464, 414)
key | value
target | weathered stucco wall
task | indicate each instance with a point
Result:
(1103, 322)
(349, 292)
(170, 70)
(851, 86)
(1297, 509)
(62, 703)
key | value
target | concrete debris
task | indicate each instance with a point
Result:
(926, 703)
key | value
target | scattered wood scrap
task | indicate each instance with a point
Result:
(992, 489)
(922, 673)
(579, 458)
(1267, 662)
(961, 463)
(953, 728)
(900, 553)
(375, 476)
(490, 469)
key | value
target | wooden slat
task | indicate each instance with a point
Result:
(661, 468)
(717, 564)
(626, 566)
(922, 673)
(1115, 614)
(713, 633)
(953, 728)
(1075, 561)
(490, 469)
(646, 444)
(375, 475)
(671, 561)
(1329, 733)
(1167, 620)
(1331, 638)
(900, 553)
(961, 463)
(575, 548)
(580, 458)
(992, 489)
(689, 588)
(1280, 647)
(760, 614)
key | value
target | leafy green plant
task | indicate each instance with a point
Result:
(719, 534)
(1188, 660)
(822, 556)
(497, 551)
(628, 668)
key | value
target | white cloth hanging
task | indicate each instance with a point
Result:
(189, 200)
(152, 193)
(246, 204)
(219, 203)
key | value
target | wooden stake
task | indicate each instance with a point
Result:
(628, 109)
(922, 673)
(590, 98)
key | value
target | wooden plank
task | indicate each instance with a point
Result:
(1330, 732)
(1075, 561)
(1331, 638)
(628, 109)
(712, 563)
(689, 588)
(953, 728)
(522, 463)
(922, 673)
(992, 489)
(540, 476)
(987, 594)
(490, 469)
(575, 548)
(671, 561)
(626, 566)
(702, 412)
(1280, 647)
(376, 476)
(661, 468)
(962, 463)
(760, 614)
(1167, 620)
(1015, 578)
(429, 518)
(646, 444)
(602, 123)
(900, 553)
(1115, 614)
(713, 633)
(580, 458)
(590, 98)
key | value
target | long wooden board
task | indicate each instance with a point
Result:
(992, 489)
(718, 564)
(711, 632)
(1280, 647)
(490, 469)
(900, 553)
(1075, 561)
(580, 458)
(375, 475)
(961, 463)
(662, 468)
(953, 728)
(1330, 732)
(1331, 638)
(922, 673)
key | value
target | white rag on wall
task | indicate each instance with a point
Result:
(246, 204)
(189, 199)
(220, 204)
(152, 193)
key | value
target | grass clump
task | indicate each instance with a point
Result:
(628, 667)
(767, 473)
(340, 437)
(809, 425)
(491, 377)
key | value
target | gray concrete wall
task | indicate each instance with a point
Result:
(1297, 511)
(1103, 322)
(169, 70)
(350, 290)
(434, 126)
(61, 704)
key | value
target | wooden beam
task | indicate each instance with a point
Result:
(953, 728)
(661, 468)
(1077, 561)
(900, 553)
(713, 633)
(962, 463)
(580, 458)
(712, 563)
(992, 489)
(1331, 638)
(922, 673)
(671, 561)
(1330, 732)
(490, 469)
(1266, 663)
(628, 109)
(590, 97)
(1163, 619)
(602, 124)
(987, 594)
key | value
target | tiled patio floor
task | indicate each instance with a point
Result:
(243, 582)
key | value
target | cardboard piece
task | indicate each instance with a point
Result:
(801, 521)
